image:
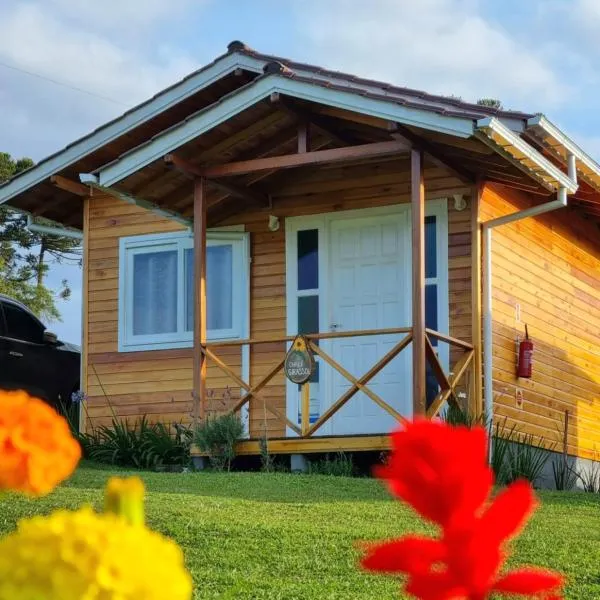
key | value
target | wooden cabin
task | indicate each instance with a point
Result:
(408, 237)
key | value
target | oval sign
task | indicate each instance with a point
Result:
(299, 363)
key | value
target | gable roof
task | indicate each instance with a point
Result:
(234, 73)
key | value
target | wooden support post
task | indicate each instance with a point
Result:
(199, 299)
(476, 393)
(303, 137)
(418, 281)
(305, 408)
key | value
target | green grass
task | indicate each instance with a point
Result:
(276, 536)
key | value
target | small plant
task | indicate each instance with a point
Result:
(165, 448)
(217, 437)
(267, 460)
(565, 477)
(339, 466)
(590, 478)
(455, 415)
(526, 458)
(501, 438)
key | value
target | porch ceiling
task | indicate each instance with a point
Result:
(270, 128)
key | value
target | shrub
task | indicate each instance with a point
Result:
(565, 477)
(526, 458)
(590, 478)
(141, 445)
(339, 466)
(217, 437)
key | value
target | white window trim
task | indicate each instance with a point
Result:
(131, 245)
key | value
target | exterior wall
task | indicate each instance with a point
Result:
(159, 383)
(550, 267)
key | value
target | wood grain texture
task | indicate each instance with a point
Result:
(160, 383)
(550, 268)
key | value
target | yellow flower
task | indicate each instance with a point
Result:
(37, 450)
(84, 555)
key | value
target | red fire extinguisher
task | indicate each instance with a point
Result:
(524, 366)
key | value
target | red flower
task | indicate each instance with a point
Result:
(442, 472)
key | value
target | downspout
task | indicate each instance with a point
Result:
(488, 383)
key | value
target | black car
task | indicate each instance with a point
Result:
(33, 359)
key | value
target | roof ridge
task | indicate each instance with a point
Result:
(290, 64)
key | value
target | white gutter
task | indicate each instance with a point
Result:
(48, 230)
(488, 382)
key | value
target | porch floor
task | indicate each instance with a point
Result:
(298, 445)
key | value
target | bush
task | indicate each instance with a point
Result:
(141, 445)
(526, 458)
(217, 437)
(339, 466)
(590, 478)
(565, 477)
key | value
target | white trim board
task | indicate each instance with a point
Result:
(215, 114)
(124, 124)
(437, 207)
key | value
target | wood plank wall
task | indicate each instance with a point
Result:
(159, 383)
(550, 266)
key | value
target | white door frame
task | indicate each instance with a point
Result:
(437, 208)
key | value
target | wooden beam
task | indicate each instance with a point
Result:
(418, 281)
(322, 124)
(303, 137)
(192, 170)
(403, 133)
(476, 393)
(68, 185)
(199, 368)
(288, 161)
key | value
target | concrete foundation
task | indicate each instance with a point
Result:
(200, 463)
(298, 463)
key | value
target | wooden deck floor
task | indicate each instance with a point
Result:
(355, 443)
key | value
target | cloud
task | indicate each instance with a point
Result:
(443, 46)
(64, 40)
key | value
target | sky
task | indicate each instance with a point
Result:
(68, 66)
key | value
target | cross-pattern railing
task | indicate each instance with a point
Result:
(447, 383)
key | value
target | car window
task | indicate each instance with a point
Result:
(20, 325)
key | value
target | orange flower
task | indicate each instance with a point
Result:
(37, 450)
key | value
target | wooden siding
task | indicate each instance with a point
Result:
(550, 267)
(159, 384)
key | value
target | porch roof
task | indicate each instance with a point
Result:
(228, 111)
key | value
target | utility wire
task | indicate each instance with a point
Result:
(61, 83)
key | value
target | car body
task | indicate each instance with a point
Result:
(33, 359)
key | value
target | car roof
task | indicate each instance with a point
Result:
(5, 298)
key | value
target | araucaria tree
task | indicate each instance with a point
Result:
(25, 257)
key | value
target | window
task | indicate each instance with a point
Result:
(431, 298)
(156, 289)
(20, 325)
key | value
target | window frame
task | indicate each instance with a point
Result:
(131, 246)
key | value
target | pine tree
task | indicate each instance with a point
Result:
(25, 257)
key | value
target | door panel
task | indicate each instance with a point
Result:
(369, 285)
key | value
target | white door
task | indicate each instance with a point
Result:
(370, 289)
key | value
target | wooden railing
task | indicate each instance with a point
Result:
(251, 393)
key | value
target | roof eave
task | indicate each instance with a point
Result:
(135, 117)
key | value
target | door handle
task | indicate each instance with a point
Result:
(16, 354)
(334, 326)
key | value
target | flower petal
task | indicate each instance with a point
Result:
(411, 554)
(508, 512)
(528, 581)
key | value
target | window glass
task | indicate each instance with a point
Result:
(219, 287)
(308, 259)
(21, 325)
(431, 308)
(155, 293)
(308, 314)
(430, 247)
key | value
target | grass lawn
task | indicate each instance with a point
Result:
(251, 535)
